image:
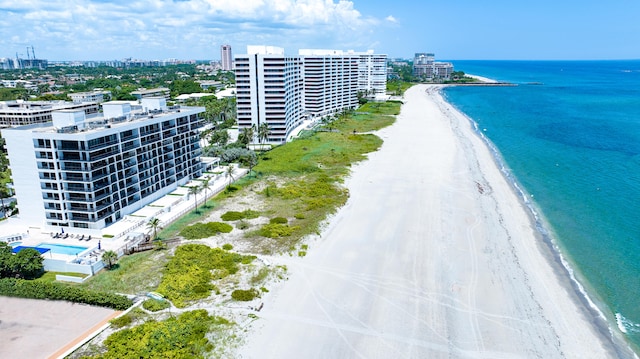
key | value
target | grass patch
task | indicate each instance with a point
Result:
(136, 273)
(155, 305)
(204, 230)
(51, 276)
(235, 215)
(245, 295)
(189, 274)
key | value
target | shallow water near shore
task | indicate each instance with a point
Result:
(570, 134)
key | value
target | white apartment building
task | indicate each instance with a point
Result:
(269, 90)
(155, 92)
(330, 81)
(372, 73)
(19, 112)
(89, 171)
(283, 90)
(425, 66)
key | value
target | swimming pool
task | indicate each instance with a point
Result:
(15, 244)
(63, 248)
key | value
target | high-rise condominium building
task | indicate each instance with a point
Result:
(372, 73)
(283, 90)
(425, 66)
(330, 81)
(226, 58)
(269, 90)
(89, 171)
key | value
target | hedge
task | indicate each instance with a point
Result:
(21, 288)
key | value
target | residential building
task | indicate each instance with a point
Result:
(93, 96)
(269, 89)
(155, 92)
(330, 81)
(372, 73)
(19, 112)
(423, 65)
(88, 171)
(283, 90)
(226, 58)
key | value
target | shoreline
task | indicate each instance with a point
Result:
(435, 258)
(608, 327)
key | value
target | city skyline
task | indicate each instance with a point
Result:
(84, 30)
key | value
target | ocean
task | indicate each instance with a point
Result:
(569, 134)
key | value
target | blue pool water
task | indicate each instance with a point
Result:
(15, 244)
(62, 248)
(570, 135)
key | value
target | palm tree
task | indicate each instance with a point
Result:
(109, 258)
(154, 223)
(263, 132)
(205, 186)
(246, 135)
(193, 190)
(229, 173)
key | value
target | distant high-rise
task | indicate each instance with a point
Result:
(226, 58)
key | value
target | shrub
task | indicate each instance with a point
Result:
(276, 230)
(280, 220)
(188, 275)
(155, 305)
(232, 216)
(204, 230)
(250, 214)
(227, 247)
(244, 295)
(184, 336)
(121, 321)
(56, 291)
(299, 216)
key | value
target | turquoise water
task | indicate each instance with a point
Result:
(570, 135)
(62, 248)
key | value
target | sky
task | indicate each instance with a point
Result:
(194, 29)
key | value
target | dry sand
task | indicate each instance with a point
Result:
(433, 256)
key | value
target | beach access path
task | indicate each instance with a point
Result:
(433, 256)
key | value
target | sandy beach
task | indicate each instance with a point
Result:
(433, 256)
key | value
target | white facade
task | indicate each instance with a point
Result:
(330, 81)
(269, 90)
(88, 172)
(284, 90)
(18, 112)
(94, 96)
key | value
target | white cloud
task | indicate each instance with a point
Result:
(390, 18)
(91, 29)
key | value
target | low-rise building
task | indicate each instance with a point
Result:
(93, 96)
(155, 92)
(19, 112)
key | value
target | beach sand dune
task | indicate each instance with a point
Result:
(433, 256)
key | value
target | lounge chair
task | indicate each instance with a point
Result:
(81, 238)
(89, 238)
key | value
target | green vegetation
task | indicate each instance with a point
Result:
(189, 273)
(204, 230)
(51, 276)
(25, 264)
(245, 295)
(135, 273)
(227, 247)
(155, 305)
(276, 230)
(279, 220)
(234, 215)
(109, 258)
(56, 291)
(183, 336)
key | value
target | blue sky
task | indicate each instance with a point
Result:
(195, 29)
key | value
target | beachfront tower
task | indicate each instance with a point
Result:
(88, 171)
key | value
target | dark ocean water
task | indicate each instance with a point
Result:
(569, 134)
